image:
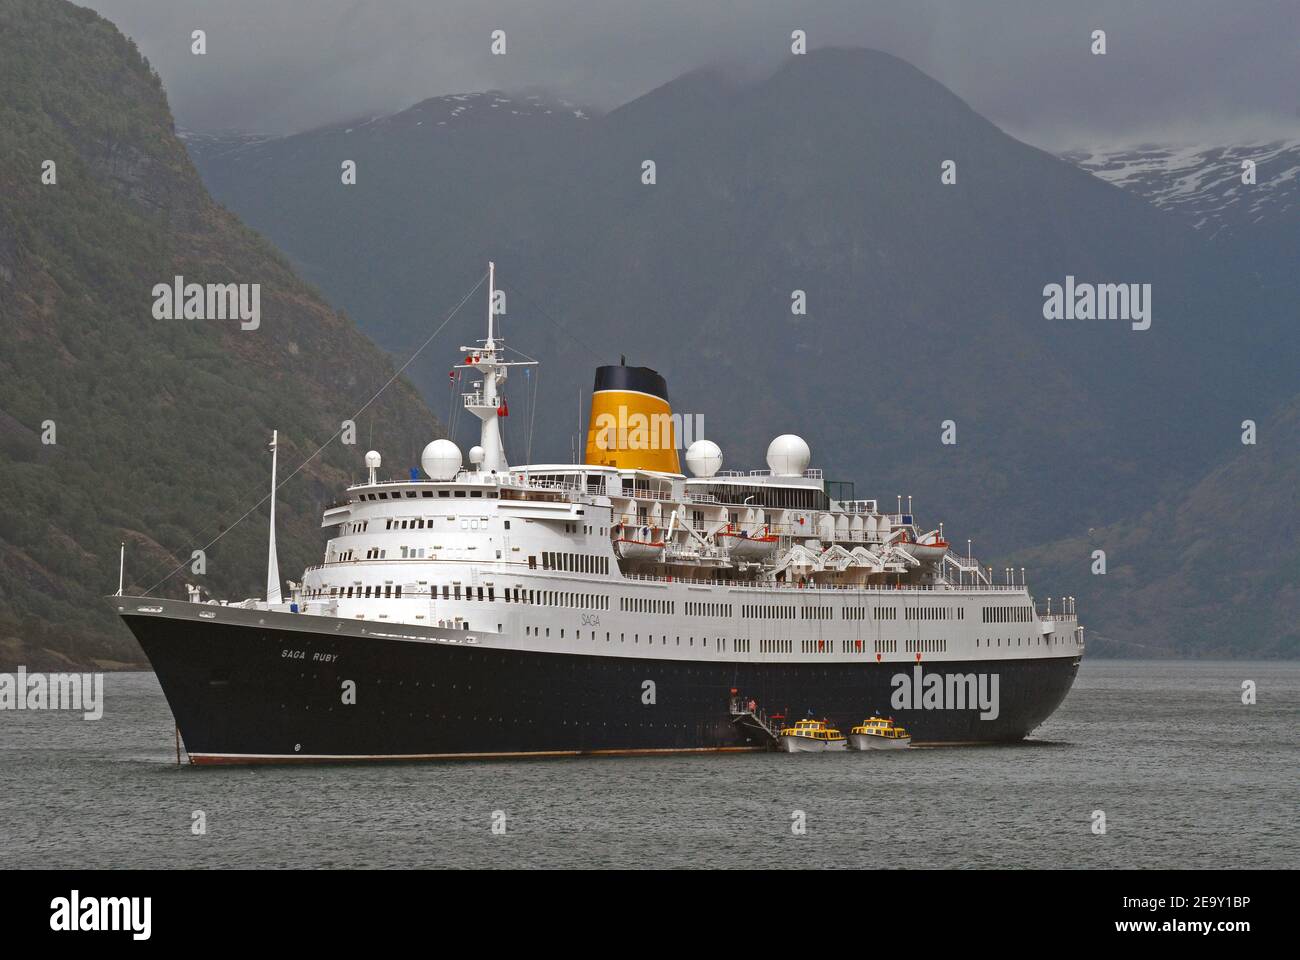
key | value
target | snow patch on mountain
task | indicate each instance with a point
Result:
(1204, 183)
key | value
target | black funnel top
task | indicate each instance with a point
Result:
(639, 379)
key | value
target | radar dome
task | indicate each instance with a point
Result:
(476, 456)
(703, 458)
(788, 455)
(373, 460)
(441, 460)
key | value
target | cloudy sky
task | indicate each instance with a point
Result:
(1190, 70)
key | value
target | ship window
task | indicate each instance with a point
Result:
(476, 493)
(444, 493)
(492, 593)
(507, 524)
(460, 493)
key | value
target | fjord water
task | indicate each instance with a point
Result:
(1188, 777)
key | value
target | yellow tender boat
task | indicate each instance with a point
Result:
(877, 733)
(811, 736)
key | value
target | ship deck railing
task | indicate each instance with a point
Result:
(785, 530)
(882, 588)
(616, 578)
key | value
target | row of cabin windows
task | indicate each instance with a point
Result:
(744, 644)
(428, 494)
(359, 526)
(531, 631)
(646, 605)
(563, 598)
(426, 523)
(455, 591)
(419, 523)
(1008, 614)
(934, 613)
(536, 598)
(925, 645)
(816, 613)
(767, 611)
(571, 562)
(884, 613)
(1020, 641)
(695, 608)
(386, 592)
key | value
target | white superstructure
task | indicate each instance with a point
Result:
(721, 565)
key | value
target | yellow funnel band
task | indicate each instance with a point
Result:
(632, 431)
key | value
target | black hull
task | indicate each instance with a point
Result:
(244, 692)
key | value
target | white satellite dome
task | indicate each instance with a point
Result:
(788, 456)
(476, 456)
(703, 458)
(441, 460)
(373, 460)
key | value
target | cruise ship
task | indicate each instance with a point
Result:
(476, 608)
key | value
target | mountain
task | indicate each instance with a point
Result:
(925, 300)
(1210, 571)
(1253, 228)
(159, 427)
(1204, 184)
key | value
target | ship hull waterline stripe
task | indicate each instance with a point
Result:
(213, 759)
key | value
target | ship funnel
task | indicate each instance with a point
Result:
(631, 425)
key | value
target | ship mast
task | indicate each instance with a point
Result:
(272, 562)
(485, 402)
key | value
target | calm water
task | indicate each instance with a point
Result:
(1187, 777)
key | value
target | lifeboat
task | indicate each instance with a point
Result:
(878, 733)
(929, 549)
(638, 543)
(811, 736)
(744, 545)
